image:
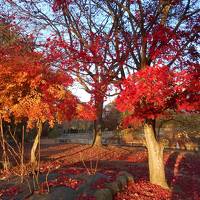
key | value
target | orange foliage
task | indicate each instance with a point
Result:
(30, 88)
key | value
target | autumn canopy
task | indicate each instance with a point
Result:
(154, 91)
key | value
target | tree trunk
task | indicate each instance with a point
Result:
(97, 135)
(34, 160)
(155, 155)
(98, 125)
(4, 155)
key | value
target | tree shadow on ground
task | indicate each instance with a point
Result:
(169, 167)
(183, 175)
(47, 150)
(64, 154)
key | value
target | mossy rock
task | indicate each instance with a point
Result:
(122, 179)
(103, 194)
(114, 187)
(127, 175)
(58, 193)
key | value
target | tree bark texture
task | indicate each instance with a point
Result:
(155, 156)
(97, 141)
(35, 145)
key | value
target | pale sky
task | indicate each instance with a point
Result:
(84, 96)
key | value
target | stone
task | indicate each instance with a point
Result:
(103, 194)
(113, 186)
(89, 180)
(122, 179)
(128, 175)
(56, 193)
(52, 176)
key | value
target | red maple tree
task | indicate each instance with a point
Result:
(32, 89)
(152, 93)
(91, 67)
(159, 33)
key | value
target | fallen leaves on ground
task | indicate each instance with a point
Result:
(143, 190)
(182, 171)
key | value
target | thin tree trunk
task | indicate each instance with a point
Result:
(22, 156)
(98, 125)
(35, 145)
(155, 155)
(4, 155)
(97, 134)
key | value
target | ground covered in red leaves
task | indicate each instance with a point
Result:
(182, 170)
